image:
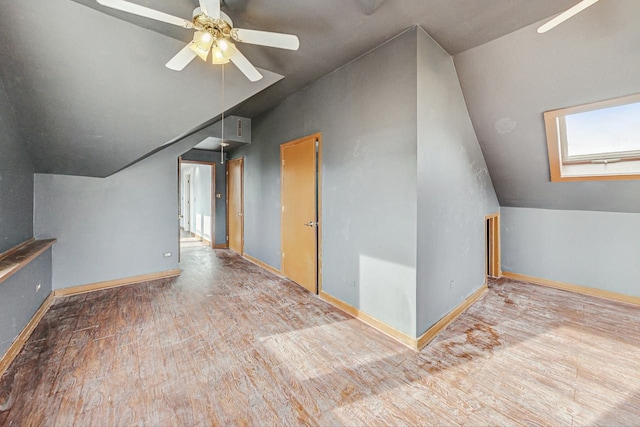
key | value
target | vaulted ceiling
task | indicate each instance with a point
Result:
(91, 94)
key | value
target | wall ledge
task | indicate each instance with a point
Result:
(18, 257)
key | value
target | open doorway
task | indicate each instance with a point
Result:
(197, 203)
(492, 226)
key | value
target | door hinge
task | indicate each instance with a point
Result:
(283, 162)
(282, 209)
(227, 238)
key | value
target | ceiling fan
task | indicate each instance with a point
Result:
(214, 33)
(566, 15)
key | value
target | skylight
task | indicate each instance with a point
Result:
(595, 141)
(606, 133)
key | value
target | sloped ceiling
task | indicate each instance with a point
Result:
(509, 82)
(91, 94)
(334, 32)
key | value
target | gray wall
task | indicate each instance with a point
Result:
(115, 227)
(16, 181)
(595, 249)
(454, 190)
(511, 81)
(366, 112)
(110, 228)
(19, 298)
(221, 188)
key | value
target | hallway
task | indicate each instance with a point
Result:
(229, 343)
(187, 240)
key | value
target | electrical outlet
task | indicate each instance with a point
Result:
(38, 287)
(167, 254)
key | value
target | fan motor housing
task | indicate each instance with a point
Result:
(219, 28)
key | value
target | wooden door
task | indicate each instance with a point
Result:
(493, 245)
(299, 211)
(235, 211)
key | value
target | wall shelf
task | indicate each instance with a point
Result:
(19, 256)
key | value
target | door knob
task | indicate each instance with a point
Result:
(310, 224)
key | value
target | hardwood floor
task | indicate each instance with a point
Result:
(228, 343)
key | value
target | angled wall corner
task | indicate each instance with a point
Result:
(454, 189)
(405, 187)
(366, 112)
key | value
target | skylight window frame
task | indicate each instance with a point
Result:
(621, 165)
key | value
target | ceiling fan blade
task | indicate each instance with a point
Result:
(265, 38)
(566, 15)
(211, 8)
(182, 58)
(136, 9)
(245, 66)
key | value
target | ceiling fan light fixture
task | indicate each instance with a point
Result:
(217, 56)
(201, 44)
(222, 51)
(223, 45)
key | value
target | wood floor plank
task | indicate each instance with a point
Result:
(228, 343)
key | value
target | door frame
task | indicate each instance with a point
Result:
(212, 196)
(492, 260)
(188, 187)
(241, 160)
(318, 137)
